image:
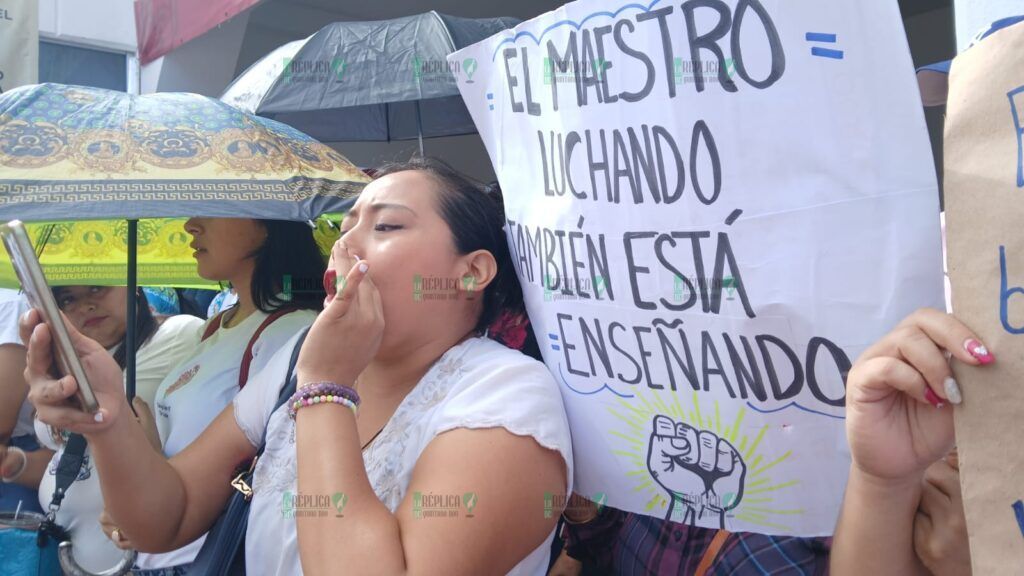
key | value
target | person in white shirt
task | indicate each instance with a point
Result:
(259, 258)
(100, 313)
(15, 410)
(160, 342)
(449, 421)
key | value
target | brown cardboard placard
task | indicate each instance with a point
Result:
(984, 188)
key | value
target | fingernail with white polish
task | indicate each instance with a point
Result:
(952, 391)
(98, 417)
(363, 267)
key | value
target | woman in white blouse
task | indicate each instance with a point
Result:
(275, 268)
(457, 440)
(100, 313)
(260, 259)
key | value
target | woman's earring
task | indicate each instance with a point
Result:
(469, 286)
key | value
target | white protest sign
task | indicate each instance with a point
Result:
(714, 207)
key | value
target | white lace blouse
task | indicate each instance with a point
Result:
(477, 384)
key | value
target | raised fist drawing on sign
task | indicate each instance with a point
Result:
(702, 472)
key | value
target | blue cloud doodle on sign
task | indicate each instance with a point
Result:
(591, 392)
(798, 407)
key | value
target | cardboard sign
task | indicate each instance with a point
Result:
(984, 180)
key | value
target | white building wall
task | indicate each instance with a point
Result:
(107, 24)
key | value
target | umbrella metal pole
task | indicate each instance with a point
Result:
(133, 309)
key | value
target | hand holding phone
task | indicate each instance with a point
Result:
(33, 283)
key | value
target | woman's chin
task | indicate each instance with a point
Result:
(205, 273)
(102, 339)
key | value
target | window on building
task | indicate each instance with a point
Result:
(68, 64)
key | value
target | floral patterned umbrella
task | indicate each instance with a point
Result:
(112, 175)
(68, 152)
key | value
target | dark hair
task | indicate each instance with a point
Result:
(145, 324)
(290, 261)
(476, 216)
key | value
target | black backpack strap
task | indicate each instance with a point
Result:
(291, 382)
(223, 553)
(68, 468)
(242, 482)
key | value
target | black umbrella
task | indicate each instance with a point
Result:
(369, 81)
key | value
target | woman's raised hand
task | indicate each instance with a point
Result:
(898, 418)
(347, 334)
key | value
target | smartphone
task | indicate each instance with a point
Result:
(33, 284)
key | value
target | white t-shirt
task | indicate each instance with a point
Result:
(12, 305)
(477, 384)
(81, 508)
(201, 386)
(169, 345)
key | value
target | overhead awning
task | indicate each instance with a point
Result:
(163, 25)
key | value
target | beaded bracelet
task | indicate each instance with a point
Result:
(323, 393)
(326, 399)
(321, 388)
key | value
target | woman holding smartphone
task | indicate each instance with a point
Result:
(100, 312)
(258, 258)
